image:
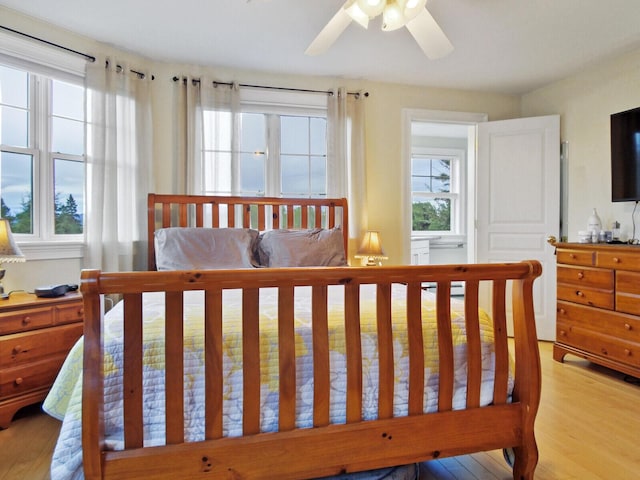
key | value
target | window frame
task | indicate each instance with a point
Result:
(42, 61)
(457, 190)
(272, 104)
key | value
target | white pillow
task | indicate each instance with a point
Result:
(302, 248)
(186, 248)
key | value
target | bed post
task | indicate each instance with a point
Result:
(528, 379)
(93, 378)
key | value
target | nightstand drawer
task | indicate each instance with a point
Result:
(20, 348)
(14, 381)
(13, 322)
(69, 313)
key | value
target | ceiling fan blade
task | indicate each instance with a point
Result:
(432, 40)
(329, 33)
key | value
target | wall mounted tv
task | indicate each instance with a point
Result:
(625, 156)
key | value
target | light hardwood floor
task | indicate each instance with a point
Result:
(588, 428)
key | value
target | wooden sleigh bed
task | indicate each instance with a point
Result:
(323, 446)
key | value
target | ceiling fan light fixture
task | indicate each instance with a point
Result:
(372, 8)
(356, 13)
(412, 8)
(392, 17)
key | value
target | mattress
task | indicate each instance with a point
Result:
(64, 399)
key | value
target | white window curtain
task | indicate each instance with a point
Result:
(346, 175)
(346, 171)
(119, 146)
(191, 98)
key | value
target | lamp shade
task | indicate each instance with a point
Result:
(9, 250)
(371, 246)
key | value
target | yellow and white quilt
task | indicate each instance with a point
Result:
(64, 400)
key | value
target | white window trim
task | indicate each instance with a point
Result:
(458, 189)
(46, 60)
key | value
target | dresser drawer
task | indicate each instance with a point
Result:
(31, 376)
(586, 296)
(32, 346)
(628, 292)
(586, 277)
(620, 325)
(605, 346)
(69, 313)
(576, 257)
(20, 321)
(619, 260)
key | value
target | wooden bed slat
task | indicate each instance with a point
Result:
(474, 351)
(354, 351)
(385, 351)
(287, 359)
(174, 364)
(213, 375)
(321, 378)
(445, 346)
(499, 316)
(416, 348)
(132, 374)
(251, 360)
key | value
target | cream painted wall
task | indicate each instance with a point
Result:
(383, 132)
(585, 102)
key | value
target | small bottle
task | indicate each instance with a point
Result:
(594, 236)
(594, 224)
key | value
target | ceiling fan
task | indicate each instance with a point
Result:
(395, 14)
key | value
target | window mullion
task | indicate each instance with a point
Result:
(273, 186)
(43, 169)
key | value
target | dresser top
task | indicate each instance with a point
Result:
(618, 247)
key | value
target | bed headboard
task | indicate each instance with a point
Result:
(260, 213)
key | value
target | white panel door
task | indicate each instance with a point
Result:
(518, 202)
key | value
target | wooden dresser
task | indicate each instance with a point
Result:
(35, 337)
(598, 314)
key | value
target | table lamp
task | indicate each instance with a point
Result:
(9, 250)
(371, 249)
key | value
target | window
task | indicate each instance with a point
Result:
(278, 153)
(42, 143)
(436, 191)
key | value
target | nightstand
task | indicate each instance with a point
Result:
(35, 336)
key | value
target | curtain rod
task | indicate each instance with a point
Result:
(87, 56)
(90, 58)
(304, 90)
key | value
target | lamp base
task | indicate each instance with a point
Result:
(2, 272)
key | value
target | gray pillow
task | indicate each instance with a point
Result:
(302, 248)
(186, 248)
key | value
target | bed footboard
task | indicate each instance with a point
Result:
(326, 448)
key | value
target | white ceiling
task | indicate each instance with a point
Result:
(506, 46)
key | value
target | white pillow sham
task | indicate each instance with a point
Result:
(186, 248)
(302, 248)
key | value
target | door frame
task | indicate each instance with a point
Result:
(409, 115)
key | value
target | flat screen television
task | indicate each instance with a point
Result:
(625, 156)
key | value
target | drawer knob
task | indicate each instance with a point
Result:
(616, 260)
(26, 320)
(562, 311)
(18, 381)
(579, 293)
(627, 326)
(563, 333)
(580, 275)
(604, 351)
(17, 349)
(627, 352)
